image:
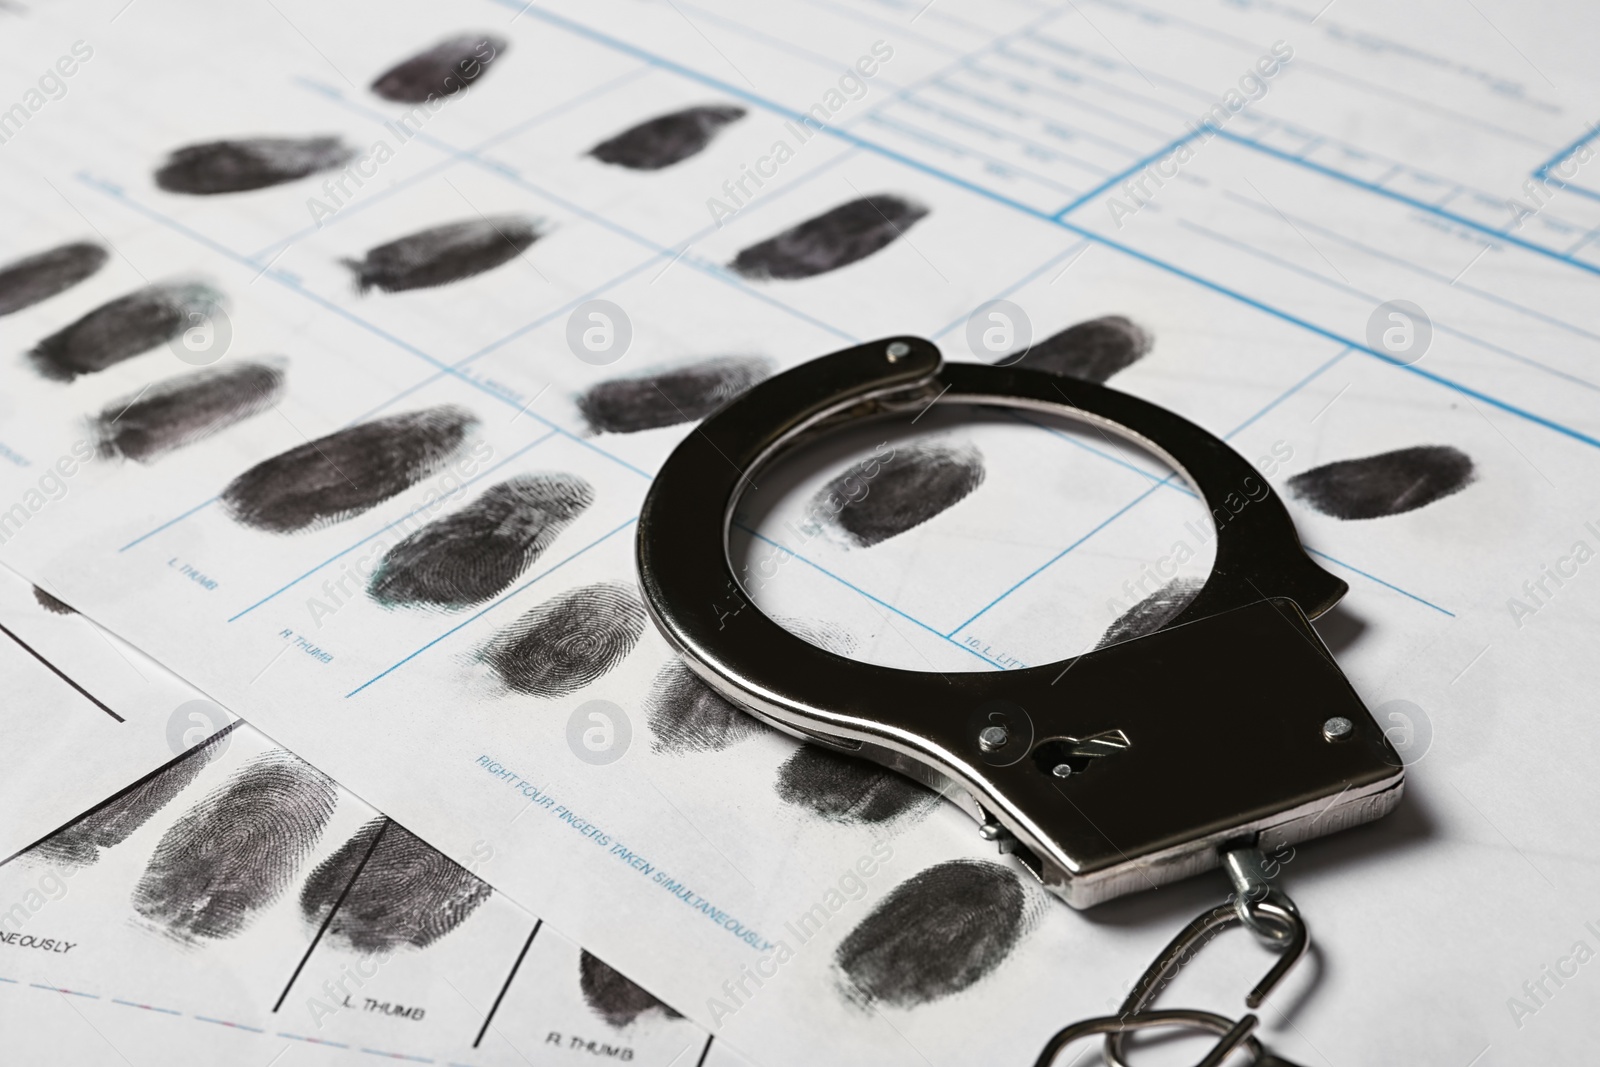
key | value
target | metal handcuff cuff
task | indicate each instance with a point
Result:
(1228, 732)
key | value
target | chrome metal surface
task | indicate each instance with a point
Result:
(1182, 743)
(1233, 1033)
(1194, 937)
(1252, 885)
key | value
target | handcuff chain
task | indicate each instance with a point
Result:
(1267, 911)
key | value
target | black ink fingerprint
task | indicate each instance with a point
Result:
(666, 139)
(821, 634)
(834, 239)
(345, 473)
(665, 398)
(253, 163)
(613, 995)
(38, 277)
(935, 934)
(408, 892)
(844, 789)
(1092, 351)
(444, 254)
(1153, 612)
(236, 850)
(80, 842)
(469, 556)
(185, 409)
(52, 604)
(564, 644)
(443, 70)
(1386, 484)
(686, 715)
(122, 329)
(877, 499)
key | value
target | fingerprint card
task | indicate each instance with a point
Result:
(84, 712)
(344, 351)
(237, 887)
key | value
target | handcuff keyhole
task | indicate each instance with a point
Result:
(1067, 757)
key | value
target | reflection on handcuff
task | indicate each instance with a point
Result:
(1100, 773)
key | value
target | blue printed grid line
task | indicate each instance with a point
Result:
(1439, 326)
(1312, 141)
(1380, 581)
(1053, 123)
(1208, 130)
(961, 60)
(914, 8)
(145, 1007)
(902, 30)
(58, 989)
(1286, 394)
(1171, 482)
(1109, 457)
(1172, 17)
(542, 320)
(441, 370)
(1582, 240)
(312, 1040)
(230, 1025)
(1080, 78)
(949, 638)
(292, 284)
(1112, 182)
(1167, 482)
(589, 33)
(170, 522)
(1069, 99)
(1005, 594)
(508, 173)
(787, 47)
(1501, 234)
(1047, 564)
(397, 1056)
(1588, 135)
(380, 195)
(1542, 172)
(957, 149)
(217, 1022)
(1009, 290)
(604, 287)
(1148, 75)
(867, 145)
(1332, 335)
(990, 130)
(1416, 268)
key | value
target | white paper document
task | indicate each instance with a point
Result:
(236, 905)
(84, 713)
(342, 350)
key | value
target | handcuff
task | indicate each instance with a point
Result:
(1226, 733)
